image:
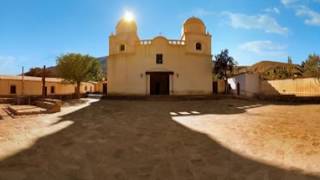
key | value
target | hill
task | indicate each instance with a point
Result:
(275, 70)
(241, 69)
(52, 72)
(103, 62)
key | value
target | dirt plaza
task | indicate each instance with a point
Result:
(164, 139)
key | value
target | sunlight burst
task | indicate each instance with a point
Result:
(128, 16)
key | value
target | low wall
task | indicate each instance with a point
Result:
(305, 87)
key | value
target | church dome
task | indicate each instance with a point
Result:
(194, 25)
(125, 26)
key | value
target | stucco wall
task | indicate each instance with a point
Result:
(191, 68)
(192, 72)
(99, 87)
(249, 84)
(297, 87)
(34, 87)
(127, 72)
(221, 86)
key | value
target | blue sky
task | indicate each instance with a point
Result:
(34, 32)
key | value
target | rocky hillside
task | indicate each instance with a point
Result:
(276, 70)
(265, 66)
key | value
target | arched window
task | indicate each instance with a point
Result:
(198, 46)
(122, 47)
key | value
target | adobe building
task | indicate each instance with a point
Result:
(160, 66)
(12, 86)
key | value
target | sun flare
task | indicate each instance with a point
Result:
(128, 16)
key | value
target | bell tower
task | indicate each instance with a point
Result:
(198, 41)
(125, 38)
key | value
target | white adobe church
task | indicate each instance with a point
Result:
(160, 66)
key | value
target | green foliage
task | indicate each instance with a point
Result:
(289, 71)
(311, 66)
(78, 68)
(289, 60)
(224, 64)
(278, 73)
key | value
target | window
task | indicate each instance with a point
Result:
(159, 58)
(85, 88)
(198, 46)
(13, 89)
(122, 47)
(53, 90)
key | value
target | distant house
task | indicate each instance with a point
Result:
(11, 86)
(160, 66)
(251, 84)
(245, 84)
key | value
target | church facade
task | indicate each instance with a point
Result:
(160, 66)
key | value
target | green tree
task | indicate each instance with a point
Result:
(311, 67)
(290, 68)
(224, 65)
(77, 68)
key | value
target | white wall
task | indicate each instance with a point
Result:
(249, 84)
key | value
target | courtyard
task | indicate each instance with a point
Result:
(164, 139)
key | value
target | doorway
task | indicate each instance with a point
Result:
(238, 89)
(105, 89)
(215, 87)
(159, 83)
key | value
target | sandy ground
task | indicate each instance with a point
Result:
(212, 139)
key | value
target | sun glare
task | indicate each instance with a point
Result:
(128, 16)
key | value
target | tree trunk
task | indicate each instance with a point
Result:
(226, 86)
(226, 82)
(78, 95)
(44, 90)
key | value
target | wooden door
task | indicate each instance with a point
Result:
(159, 83)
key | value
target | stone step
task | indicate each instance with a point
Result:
(4, 113)
(19, 110)
(51, 107)
(44, 104)
(55, 101)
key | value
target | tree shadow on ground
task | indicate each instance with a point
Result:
(138, 140)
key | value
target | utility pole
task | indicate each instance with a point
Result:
(44, 93)
(22, 82)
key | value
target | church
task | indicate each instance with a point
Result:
(160, 66)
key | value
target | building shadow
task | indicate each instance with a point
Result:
(120, 140)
